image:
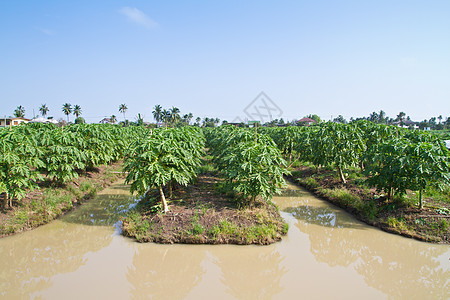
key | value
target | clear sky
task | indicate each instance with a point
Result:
(212, 58)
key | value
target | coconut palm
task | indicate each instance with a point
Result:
(19, 112)
(67, 109)
(113, 119)
(382, 117)
(77, 110)
(139, 120)
(165, 117)
(401, 117)
(44, 109)
(157, 113)
(187, 118)
(123, 108)
(174, 115)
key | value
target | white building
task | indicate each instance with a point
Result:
(6, 122)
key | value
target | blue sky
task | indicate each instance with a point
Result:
(212, 58)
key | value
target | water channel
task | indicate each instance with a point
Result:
(326, 254)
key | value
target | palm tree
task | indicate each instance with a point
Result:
(174, 115)
(157, 114)
(19, 112)
(382, 117)
(187, 118)
(44, 109)
(165, 117)
(67, 109)
(77, 110)
(113, 119)
(373, 117)
(440, 119)
(123, 108)
(139, 120)
(401, 117)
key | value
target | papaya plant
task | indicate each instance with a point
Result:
(400, 164)
(165, 157)
(61, 157)
(19, 158)
(251, 166)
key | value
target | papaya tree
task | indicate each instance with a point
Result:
(250, 166)
(163, 158)
(62, 155)
(338, 144)
(19, 158)
(402, 164)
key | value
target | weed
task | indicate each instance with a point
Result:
(214, 232)
(228, 228)
(343, 196)
(196, 227)
(310, 182)
(396, 223)
(369, 209)
(206, 168)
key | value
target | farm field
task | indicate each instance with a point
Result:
(219, 186)
(396, 179)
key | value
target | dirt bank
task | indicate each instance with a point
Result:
(199, 214)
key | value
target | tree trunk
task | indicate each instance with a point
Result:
(146, 193)
(294, 162)
(420, 199)
(341, 175)
(4, 201)
(256, 133)
(361, 165)
(163, 200)
(390, 193)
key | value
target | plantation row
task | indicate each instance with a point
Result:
(250, 163)
(34, 151)
(392, 158)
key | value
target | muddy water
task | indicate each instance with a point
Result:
(327, 254)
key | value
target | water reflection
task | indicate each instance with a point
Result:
(394, 265)
(104, 209)
(161, 271)
(250, 272)
(29, 261)
(326, 254)
(324, 216)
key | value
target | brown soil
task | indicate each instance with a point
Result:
(201, 215)
(99, 177)
(399, 217)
